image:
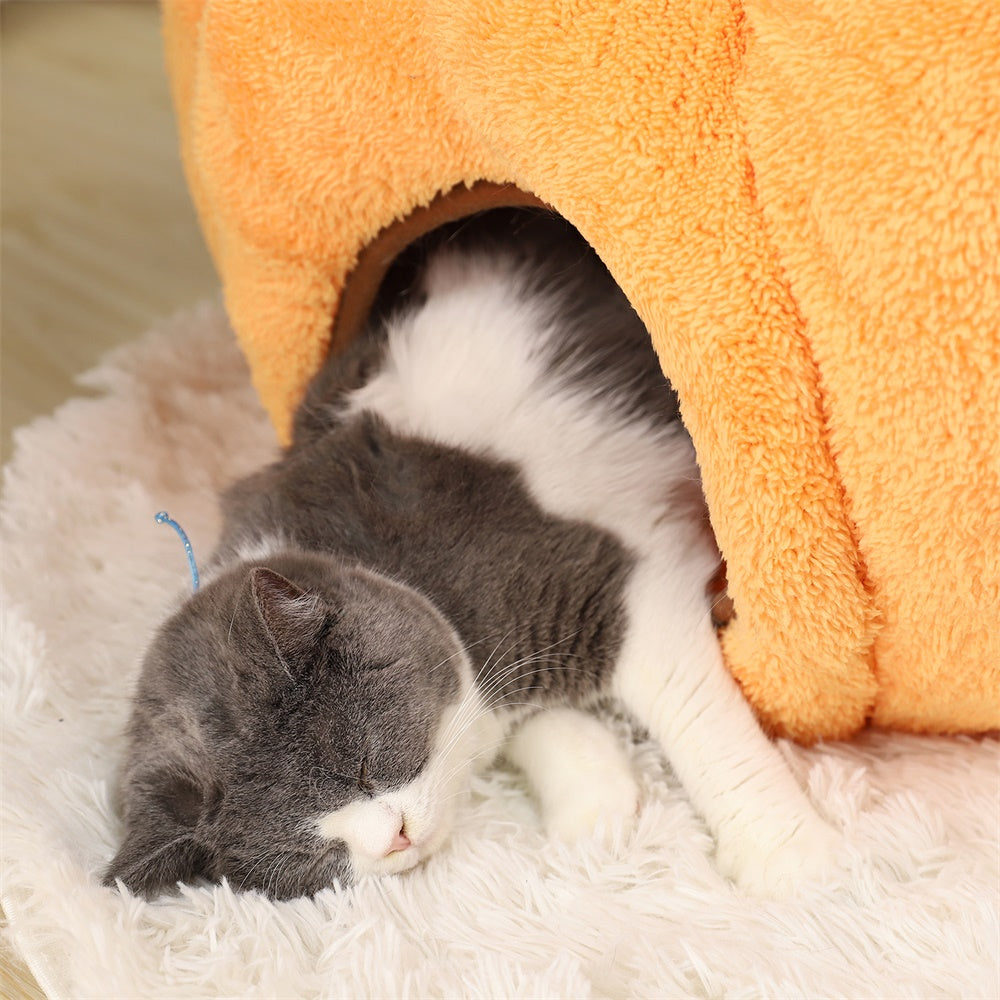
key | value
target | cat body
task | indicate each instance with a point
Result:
(488, 519)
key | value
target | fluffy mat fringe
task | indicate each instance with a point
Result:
(501, 912)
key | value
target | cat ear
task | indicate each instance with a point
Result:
(291, 616)
(160, 847)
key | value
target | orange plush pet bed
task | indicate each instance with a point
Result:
(798, 196)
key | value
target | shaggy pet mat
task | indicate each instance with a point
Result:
(501, 912)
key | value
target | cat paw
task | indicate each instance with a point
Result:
(608, 804)
(771, 864)
(580, 774)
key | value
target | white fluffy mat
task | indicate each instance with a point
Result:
(501, 912)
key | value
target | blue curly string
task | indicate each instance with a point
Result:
(164, 518)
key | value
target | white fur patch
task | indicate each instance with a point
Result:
(488, 344)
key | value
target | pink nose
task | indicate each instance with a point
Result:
(399, 843)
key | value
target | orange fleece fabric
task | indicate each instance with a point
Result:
(799, 197)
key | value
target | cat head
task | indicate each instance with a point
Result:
(295, 724)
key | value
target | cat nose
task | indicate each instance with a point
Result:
(399, 843)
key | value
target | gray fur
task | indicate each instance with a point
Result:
(292, 684)
(458, 528)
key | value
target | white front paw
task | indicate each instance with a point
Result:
(579, 772)
(765, 860)
(607, 803)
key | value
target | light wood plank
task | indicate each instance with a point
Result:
(98, 234)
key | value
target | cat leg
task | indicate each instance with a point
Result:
(578, 771)
(672, 677)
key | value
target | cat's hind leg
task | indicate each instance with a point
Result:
(578, 771)
(671, 676)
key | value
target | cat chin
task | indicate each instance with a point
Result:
(402, 861)
(392, 864)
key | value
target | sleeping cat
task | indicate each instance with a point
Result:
(489, 517)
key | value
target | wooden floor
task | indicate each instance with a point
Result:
(98, 235)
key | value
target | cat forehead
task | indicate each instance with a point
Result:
(393, 620)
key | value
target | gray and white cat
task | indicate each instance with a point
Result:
(488, 519)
